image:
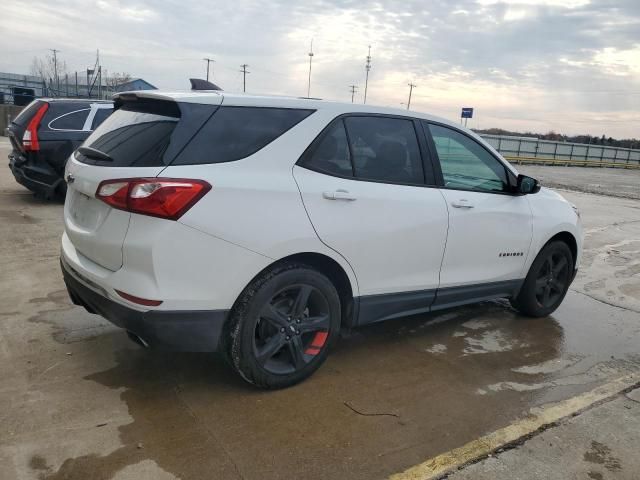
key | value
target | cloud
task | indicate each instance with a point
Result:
(571, 65)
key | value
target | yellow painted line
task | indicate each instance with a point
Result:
(537, 418)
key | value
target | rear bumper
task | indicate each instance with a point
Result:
(39, 179)
(188, 330)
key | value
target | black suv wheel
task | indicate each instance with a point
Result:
(547, 282)
(282, 326)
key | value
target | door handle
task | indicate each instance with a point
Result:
(339, 195)
(462, 203)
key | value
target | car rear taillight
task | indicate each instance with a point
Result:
(30, 137)
(166, 198)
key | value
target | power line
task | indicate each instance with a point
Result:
(411, 86)
(244, 76)
(353, 91)
(367, 67)
(208, 60)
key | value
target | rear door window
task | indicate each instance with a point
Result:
(385, 149)
(233, 133)
(70, 121)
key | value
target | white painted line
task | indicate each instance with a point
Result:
(537, 418)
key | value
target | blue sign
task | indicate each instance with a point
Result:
(467, 112)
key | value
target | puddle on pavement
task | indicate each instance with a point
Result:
(70, 323)
(389, 396)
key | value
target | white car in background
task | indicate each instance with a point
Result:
(259, 226)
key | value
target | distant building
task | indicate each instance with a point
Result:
(18, 89)
(135, 84)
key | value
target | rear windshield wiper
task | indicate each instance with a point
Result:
(93, 153)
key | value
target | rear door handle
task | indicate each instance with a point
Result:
(462, 203)
(339, 195)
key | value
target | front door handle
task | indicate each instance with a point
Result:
(462, 203)
(339, 195)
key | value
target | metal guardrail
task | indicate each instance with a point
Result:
(571, 163)
(532, 150)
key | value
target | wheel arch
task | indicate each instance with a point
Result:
(332, 270)
(569, 239)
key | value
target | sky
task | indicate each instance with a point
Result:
(571, 66)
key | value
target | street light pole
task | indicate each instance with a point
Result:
(411, 85)
(208, 60)
(366, 80)
(310, 59)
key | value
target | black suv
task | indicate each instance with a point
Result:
(44, 135)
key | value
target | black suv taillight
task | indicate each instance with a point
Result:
(30, 137)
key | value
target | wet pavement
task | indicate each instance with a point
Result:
(78, 400)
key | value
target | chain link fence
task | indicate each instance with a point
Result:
(532, 150)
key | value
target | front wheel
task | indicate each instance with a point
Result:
(547, 282)
(282, 326)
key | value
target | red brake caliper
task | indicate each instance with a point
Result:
(318, 342)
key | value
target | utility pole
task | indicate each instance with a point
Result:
(55, 69)
(411, 86)
(208, 60)
(353, 91)
(244, 76)
(310, 59)
(367, 67)
(99, 74)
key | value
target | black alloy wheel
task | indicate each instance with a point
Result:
(552, 280)
(547, 282)
(282, 326)
(292, 329)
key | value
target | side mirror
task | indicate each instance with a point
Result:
(527, 185)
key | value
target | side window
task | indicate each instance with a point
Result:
(465, 163)
(100, 116)
(331, 155)
(233, 133)
(70, 121)
(385, 149)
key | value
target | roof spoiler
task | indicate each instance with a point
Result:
(200, 84)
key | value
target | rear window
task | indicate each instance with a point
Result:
(234, 133)
(134, 135)
(27, 112)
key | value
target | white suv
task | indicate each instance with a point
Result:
(259, 226)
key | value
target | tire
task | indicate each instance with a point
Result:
(282, 325)
(547, 282)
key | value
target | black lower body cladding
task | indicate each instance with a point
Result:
(188, 331)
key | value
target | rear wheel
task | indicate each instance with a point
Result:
(547, 282)
(282, 325)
